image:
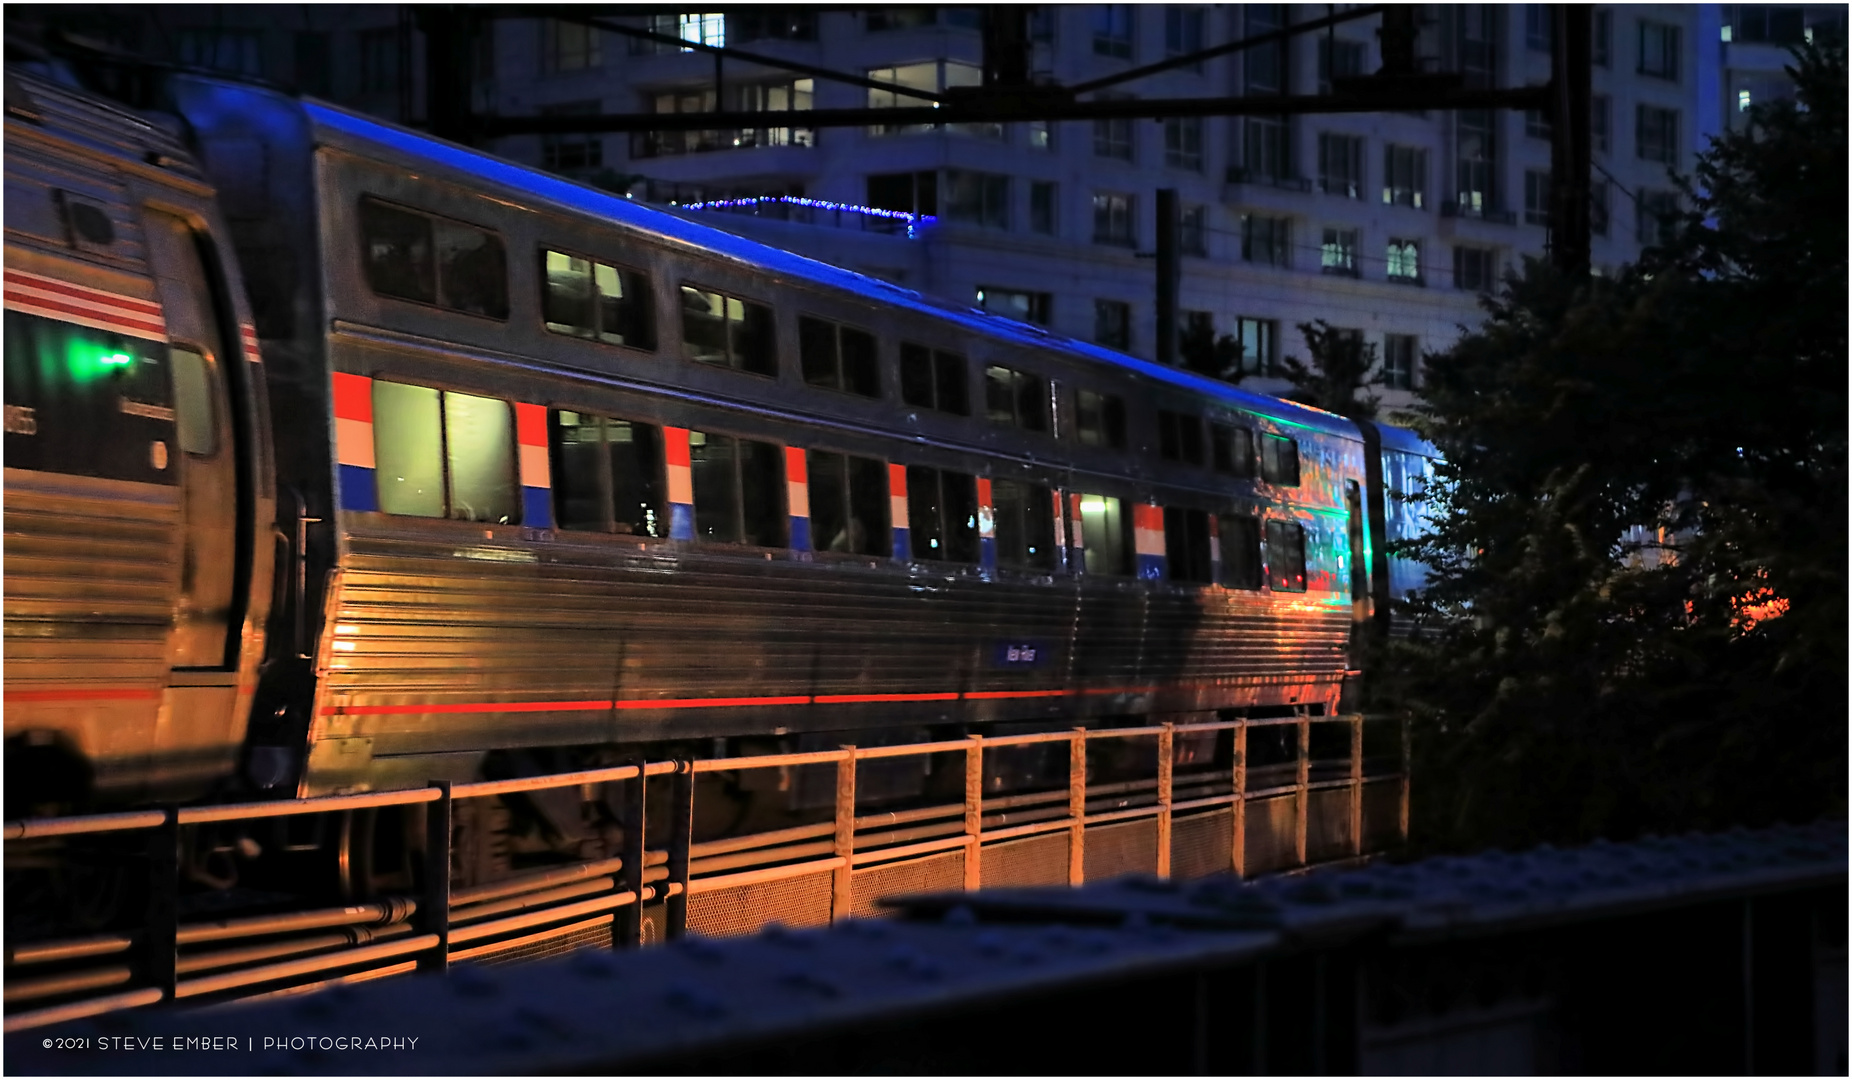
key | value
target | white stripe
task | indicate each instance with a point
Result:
(798, 497)
(353, 442)
(95, 322)
(897, 511)
(131, 304)
(534, 470)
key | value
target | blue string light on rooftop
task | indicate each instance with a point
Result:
(914, 221)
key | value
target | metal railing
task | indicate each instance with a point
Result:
(1179, 818)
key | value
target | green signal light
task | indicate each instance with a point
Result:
(87, 361)
(116, 359)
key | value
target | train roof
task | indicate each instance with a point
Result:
(336, 126)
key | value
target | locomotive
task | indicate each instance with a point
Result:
(342, 458)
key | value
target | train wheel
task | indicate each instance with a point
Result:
(378, 851)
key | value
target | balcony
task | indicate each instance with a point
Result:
(657, 144)
(1461, 207)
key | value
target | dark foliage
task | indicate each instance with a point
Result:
(1340, 367)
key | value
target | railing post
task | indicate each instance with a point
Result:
(636, 855)
(434, 906)
(1238, 843)
(1166, 763)
(1304, 798)
(974, 813)
(1077, 807)
(841, 895)
(1408, 754)
(1356, 784)
(163, 918)
(681, 840)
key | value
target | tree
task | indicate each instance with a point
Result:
(1637, 612)
(1341, 366)
(1205, 354)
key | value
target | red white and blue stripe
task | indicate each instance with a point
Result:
(1148, 540)
(897, 511)
(797, 497)
(530, 425)
(353, 441)
(986, 526)
(681, 483)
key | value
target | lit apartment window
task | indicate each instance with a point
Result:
(1656, 134)
(930, 75)
(1405, 261)
(1112, 218)
(1399, 361)
(1112, 31)
(1338, 253)
(1256, 338)
(1266, 240)
(1031, 307)
(1536, 197)
(1405, 176)
(1340, 165)
(1658, 50)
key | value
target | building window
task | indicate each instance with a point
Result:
(1193, 230)
(1601, 32)
(1016, 398)
(1658, 217)
(1041, 135)
(1405, 261)
(1399, 361)
(1536, 123)
(1656, 134)
(433, 260)
(725, 330)
(1266, 240)
(1539, 30)
(1598, 207)
(1100, 420)
(1338, 59)
(1112, 138)
(1658, 50)
(849, 504)
(379, 61)
(1256, 339)
(1112, 218)
(838, 357)
(1338, 253)
(977, 198)
(1112, 31)
(1183, 142)
(933, 379)
(1536, 197)
(241, 51)
(1024, 516)
(562, 152)
(1029, 307)
(931, 75)
(942, 514)
(1474, 149)
(1112, 323)
(597, 301)
(1285, 556)
(1265, 153)
(1598, 111)
(1474, 269)
(772, 24)
(1340, 165)
(1043, 203)
(1183, 32)
(607, 475)
(906, 192)
(1405, 176)
(739, 490)
(569, 46)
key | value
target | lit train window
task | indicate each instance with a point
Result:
(1186, 545)
(414, 256)
(942, 514)
(1285, 556)
(594, 300)
(848, 504)
(1180, 437)
(1231, 450)
(1015, 397)
(739, 490)
(1106, 532)
(196, 420)
(839, 357)
(1025, 524)
(1279, 460)
(933, 379)
(87, 402)
(438, 453)
(721, 329)
(1100, 420)
(1240, 537)
(607, 475)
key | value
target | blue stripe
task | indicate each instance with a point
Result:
(987, 552)
(1151, 567)
(537, 507)
(357, 490)
(800, 534)
(903, 544)
(681, 521)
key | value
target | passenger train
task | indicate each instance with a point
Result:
(342, 458)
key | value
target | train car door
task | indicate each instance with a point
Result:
(194, 730)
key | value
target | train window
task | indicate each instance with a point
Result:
(1285, 556)
(933, 379)
(1279, 460)
(722, 329)
(1025, 524)
(1231, 449)
(1100, 420)
(607, 475)
(1186, 545)
(848, 504)
(942, 514)
(1180, 437)
(439, 453)
(1105, 530)
(1015, 397)
(1240, 537)
(414, 256)
(598, 301)
(196, 420)
(739, 488)
(87, 402)
(839, 357)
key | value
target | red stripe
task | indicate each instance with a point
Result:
(471, 707)
(22, 697)
(84, 292)
(530, 422)
(710, 703)
(992, 695)
(797, 470)
(856, 699)
(675, 445)
(116, 320)
(1146, 516)
(983, 491)
(353, 397)
(897, 481)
